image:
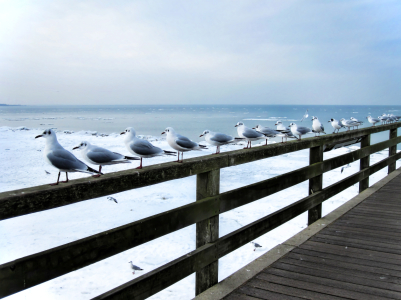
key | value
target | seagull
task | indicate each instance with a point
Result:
(317, 126)
(62, 159)
(112, 199)
(267, 131)
(357, 122)
(298, 130)
(285, 131)
(101, 156)
(249, 134)
(305, 115)
(256, 245)
(372, 120)
(337, 125)
(348, 123)
(180, 143)
(140, 147)
(347, 166)
(135, 268)
(217, 139)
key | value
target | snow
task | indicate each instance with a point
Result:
(23, 166)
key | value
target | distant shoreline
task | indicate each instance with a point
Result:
(2, 104)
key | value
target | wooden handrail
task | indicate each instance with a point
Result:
(30, 200)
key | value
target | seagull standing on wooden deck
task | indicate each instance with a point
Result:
(180, 143)
(256, 245)
(62, 159)
(101, 156)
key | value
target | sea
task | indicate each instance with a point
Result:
(188, 120)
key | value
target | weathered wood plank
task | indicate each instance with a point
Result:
(377, 287)
(301, 282)
(39, 198)
(392, 149)
(239, 296)
(339, 266)
(287, 291)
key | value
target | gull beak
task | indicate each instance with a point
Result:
(75, 148)
(201, 135)
(328, 121)
(163, 132)
(122, 133)
(38, 136)
(236, 126)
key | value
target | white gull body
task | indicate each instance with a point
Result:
(100, 156)
(180, 143)
(217, 139)
(140, 147)
(372, 121)
(337, 125)
(62, 159)
(317, 126)
(299, 130)
(249, 134)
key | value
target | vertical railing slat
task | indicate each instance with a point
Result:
(207, 231)
(315, 183)
(364, 163)
(392, 149)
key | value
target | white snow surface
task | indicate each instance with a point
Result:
(23, 166)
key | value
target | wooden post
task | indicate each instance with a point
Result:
(315, 183)
(207, 184)
(364, 163)
(392, 150)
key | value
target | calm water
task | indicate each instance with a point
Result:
(189, 120)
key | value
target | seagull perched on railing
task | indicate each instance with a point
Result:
(101, 156)
(249, 134)
(357, 122)
(62, 159)
(372, 121)
(135, 268)
(217, 139)
(181, 143)
(267, 131)
(284, 131)
(348, 123)
(317, 127)
(140, 147)
(337, 125)
(299, 130)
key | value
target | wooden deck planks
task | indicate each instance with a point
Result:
(356, 257)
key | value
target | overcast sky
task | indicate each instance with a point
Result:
(200, 52)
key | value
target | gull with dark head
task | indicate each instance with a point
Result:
(249, 134)
(337, 125)
(101, 156)
(62, 159)
(217, 139)
(140, 147)
(180, 143)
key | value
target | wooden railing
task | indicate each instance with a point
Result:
(34, 269)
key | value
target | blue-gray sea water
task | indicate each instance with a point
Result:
(188, 120)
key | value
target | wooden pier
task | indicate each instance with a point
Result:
(37, 268)
(353, 253)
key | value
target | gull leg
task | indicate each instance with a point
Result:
(178, 159)
(58, 178)
(66, 177)
(98, 175)
(140, 165)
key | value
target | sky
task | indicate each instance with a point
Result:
(200, 52)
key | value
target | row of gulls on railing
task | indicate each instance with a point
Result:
(65, 161)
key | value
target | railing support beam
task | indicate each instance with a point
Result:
(392, 150)
(207, 231)
(364, 163)
(315, 183)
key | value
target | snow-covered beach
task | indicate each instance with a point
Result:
(23, 166)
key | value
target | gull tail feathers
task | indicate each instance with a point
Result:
(169, 152)
(90, 170)
(131, 158)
